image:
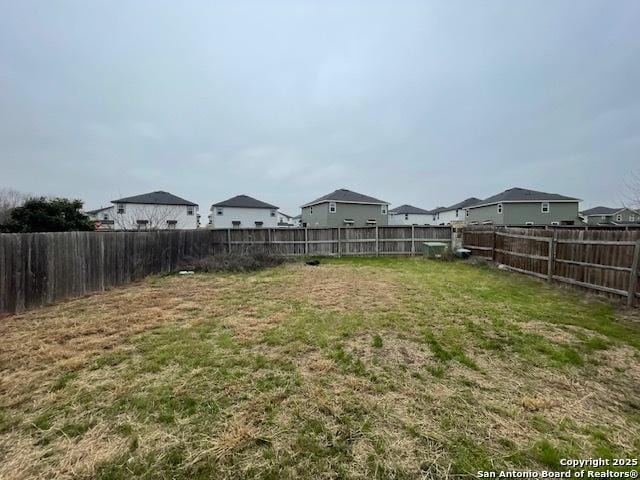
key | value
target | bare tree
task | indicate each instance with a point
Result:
(632, 193)
(153, 217)
(10, 199)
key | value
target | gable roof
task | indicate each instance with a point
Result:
(523, 195)
(404, 209)
(98, 210)
(600, 211)
(346, 196)
(156, 198)
(463, 204)
(244, 201)
(606, 211)
(438, 209)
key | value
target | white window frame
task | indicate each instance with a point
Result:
(372, 221)
(121, 209)
(191, 209)
(273, 213)
(619, 217)
(542, 209)
(457, 210)
(632, 218)
(311, 210)
(529, 223)
(219, 211)
(332, 207)
(383, 209)
(406, 216)
(555, 223)
(499, 208)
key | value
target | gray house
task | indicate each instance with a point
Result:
(610, 216)
(344, 208)
(520, 206)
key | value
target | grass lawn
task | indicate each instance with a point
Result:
(358, 368)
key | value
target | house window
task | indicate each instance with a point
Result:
(632, 218)
(348, 221)
(618, 218)
(105, 217)
(383, 210)
(273, 213)
(466, 212)
(121, 209)
(555, 223)
(371, 221)
(171, 224)
(603, 217)
(499, 208)
(311, 210)
(457, 212)
(406, 216)
(190, 210)
(142, 224)
(259, 224)
(545, 207)
(528, 223)
(332, 207)
(219, 211)
(236, 223)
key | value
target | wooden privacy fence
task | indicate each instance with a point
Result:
(39, 268)
(602, 260)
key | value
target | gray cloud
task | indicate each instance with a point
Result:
(415, 102)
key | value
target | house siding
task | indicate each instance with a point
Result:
(156, 215)
(413, 219)
(246, 216)
(519, 213)
(360, 213)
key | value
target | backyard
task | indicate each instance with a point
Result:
(356, 368)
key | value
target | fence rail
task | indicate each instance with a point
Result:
(39, 268)
(602, 260)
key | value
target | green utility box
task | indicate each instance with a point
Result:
(434, 249)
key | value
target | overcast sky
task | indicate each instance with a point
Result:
(425, 103)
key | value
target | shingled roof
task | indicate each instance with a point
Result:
(523, 195)
(409, 209)
(346, 196)
(464, 203)
(601, 211)
(243, 201)
(98, 210)
(155, 198)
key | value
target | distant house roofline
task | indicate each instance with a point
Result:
(343, 195)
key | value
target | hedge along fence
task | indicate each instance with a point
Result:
(37, 269)
(601, 260)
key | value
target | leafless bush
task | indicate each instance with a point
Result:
(247, 262)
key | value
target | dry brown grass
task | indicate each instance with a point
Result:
(306, 372)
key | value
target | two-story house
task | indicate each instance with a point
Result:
(153, 211)
(344, 208)
(243, 211)
(521, 206)
(409, 215)
(454, 214)
(610, 216)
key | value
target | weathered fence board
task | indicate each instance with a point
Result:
(605, 260)
(39, 268)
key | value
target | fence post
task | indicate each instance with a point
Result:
(229, 241)
(633, 275)
(493, 245)
(377, 242)
(413, 240)
(552, 257)
(339, 245)
(306, 242)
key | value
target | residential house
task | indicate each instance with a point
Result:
(344, 208)
(409, 215)
(154, 211)
(297, 221)
(103, 217)
(286, 221)
(243, 211)
(520, 206)
(610, 216)
(454, 214)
